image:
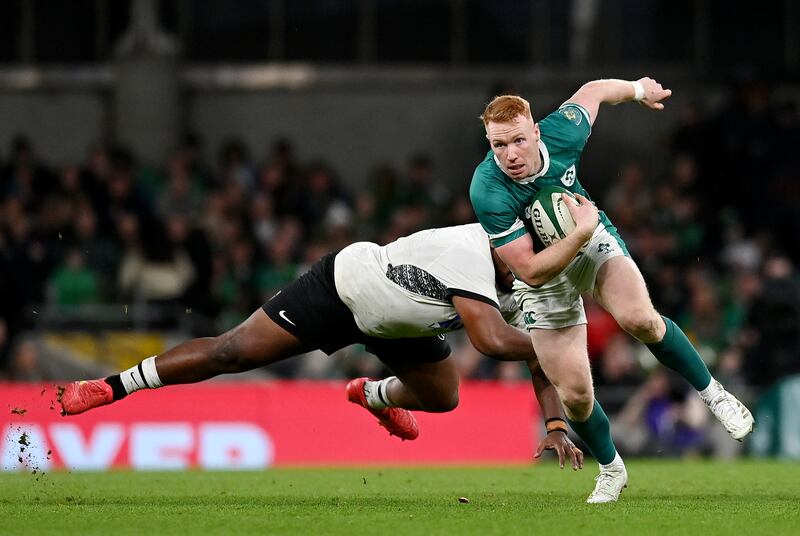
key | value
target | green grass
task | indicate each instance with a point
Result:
(663, 497)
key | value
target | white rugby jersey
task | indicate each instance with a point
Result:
(404, 289)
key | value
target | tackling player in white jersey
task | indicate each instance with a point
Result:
(398, 300)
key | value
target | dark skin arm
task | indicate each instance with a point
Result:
(551, 409)
(490, 335)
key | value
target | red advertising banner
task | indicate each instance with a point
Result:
(257, 425)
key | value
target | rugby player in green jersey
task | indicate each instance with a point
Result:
(526, 156)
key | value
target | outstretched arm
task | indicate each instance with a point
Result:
(490, 335)
(553, 414)
(646, 91)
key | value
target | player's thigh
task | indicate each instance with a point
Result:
(620, 288)
(260, 341)
(564, 359)
(433, 383)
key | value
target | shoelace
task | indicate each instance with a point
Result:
(727, 409)
(605, 483)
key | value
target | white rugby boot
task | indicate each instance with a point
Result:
(610, 482)
(733, 415)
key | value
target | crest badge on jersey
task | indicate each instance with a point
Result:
(568, 178)
(572, 114)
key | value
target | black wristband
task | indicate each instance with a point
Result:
(555, 419)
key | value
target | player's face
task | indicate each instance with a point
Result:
(515, 144)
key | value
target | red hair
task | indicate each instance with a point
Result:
(505, 108)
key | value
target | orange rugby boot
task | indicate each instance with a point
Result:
(81, 396)
(398, 421)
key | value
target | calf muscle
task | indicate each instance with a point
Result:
(258, 341)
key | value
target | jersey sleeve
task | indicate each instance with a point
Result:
(495, 212)
(568, 127)
(466, 266)
(469, 274)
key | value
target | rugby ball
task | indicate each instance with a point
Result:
(550, 217)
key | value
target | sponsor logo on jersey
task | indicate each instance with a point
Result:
(572, 114)
(568, 178)
(450, 324)
(605, 247)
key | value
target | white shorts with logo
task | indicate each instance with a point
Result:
(558, 303)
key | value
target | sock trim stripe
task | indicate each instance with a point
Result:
(149, 368)
(380, 394)
(144, 378)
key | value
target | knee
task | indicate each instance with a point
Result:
(644, 324)
(578, 402)
(442, 403)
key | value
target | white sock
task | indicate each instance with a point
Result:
(709, 393)
(142, 376)
(377, 393)
(616, 462)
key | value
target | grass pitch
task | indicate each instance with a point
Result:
(663, 497)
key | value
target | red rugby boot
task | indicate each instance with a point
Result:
(399, 422)
(81, 396)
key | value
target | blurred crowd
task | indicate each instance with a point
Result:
(217, 239)
(712, 228)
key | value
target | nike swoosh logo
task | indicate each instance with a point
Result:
(133, 379)
(282, 314)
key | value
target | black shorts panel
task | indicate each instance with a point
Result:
(310, 309)
(416, 350)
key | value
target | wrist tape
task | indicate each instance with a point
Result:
(638, 91)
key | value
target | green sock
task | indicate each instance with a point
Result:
(596, 433)
(676, 352)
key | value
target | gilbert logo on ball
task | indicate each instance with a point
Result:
(550, 216)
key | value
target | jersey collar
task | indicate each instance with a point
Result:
(545, 165)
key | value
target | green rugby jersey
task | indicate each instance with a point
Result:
(503, 204)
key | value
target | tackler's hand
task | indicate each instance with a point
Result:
(564, 447)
